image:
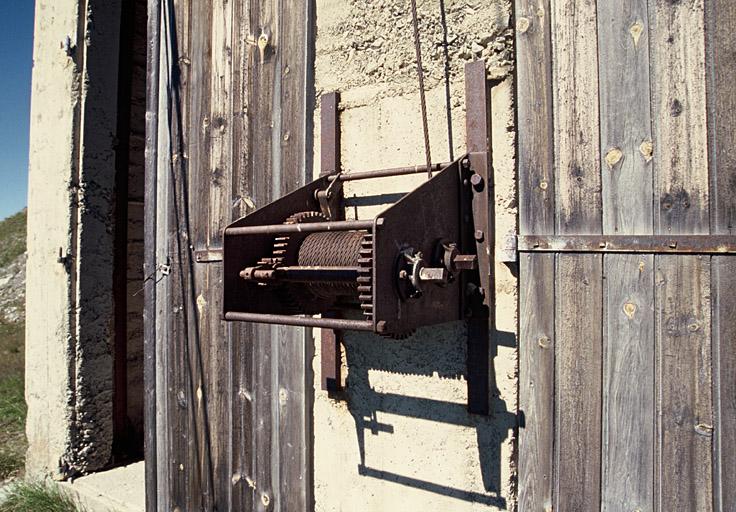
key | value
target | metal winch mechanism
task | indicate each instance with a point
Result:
(404, 269)
(298, 261)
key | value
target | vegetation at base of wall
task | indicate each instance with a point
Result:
(12, 348)
(12, 421)
(24, 496)
(12, 237)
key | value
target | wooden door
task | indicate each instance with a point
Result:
(229, 130)
(627, 366)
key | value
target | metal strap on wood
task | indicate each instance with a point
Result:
(650, 244)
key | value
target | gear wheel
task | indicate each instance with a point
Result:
(286, 248)
(365, 276)
(365, 285)
(285, 252)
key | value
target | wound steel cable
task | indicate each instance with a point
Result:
(420, 74)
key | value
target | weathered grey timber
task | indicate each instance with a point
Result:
(232, 401)
(536, 272)
(643, 342)
(720, 25)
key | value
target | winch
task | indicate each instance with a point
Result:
(424, 260)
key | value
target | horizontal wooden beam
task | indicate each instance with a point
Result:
(669, 244)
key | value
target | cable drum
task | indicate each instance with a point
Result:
(337, 249)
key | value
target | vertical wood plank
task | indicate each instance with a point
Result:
(534, 114)
(191, 459)
(217, 174)
(628, 384)
(536, 272)
(627, 184)
(174, 343)
(240, 335)
(684, 431)
(578, 288)
(679, 116)
(578, 346)
(721, 93)
(536, 381)
(264, 178)
(683, 480)
(293, 401)
(625, 120)
(576, 121)
(150, 317)
(724, 382)
(720, 25)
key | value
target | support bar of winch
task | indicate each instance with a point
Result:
(301, 321)
(387, 173)
(310, 227)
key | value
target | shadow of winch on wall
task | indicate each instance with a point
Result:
(438, 353)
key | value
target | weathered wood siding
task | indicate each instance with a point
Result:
(229, 131)
(626, 111)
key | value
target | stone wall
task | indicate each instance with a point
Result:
(400, 436)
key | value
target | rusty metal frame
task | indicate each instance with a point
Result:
(331, 338)
(282, 229)
(652, 244)
(480, 290)
(387, 173)
(456, 205)
(301, 321)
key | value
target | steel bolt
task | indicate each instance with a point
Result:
(381, 326)
(476, 179)
(465, 163)
(479, 235)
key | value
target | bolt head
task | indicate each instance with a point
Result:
(476, 179)
(478, 235)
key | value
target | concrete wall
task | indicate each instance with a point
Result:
(70, 213)
(401, 435)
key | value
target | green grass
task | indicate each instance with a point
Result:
(38, 497)
(12, 237)
(12, 347)
(12, 421)
(12, 401)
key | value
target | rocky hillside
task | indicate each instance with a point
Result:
(12, 324)
(13, 268)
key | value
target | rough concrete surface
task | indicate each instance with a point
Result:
(116, 490)
(69, 281)
(402, 437)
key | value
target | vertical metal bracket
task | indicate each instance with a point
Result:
(479, 288)
(331, 354)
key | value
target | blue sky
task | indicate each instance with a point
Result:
(16, 61)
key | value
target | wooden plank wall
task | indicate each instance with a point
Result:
(232, 401)
(627, 376)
